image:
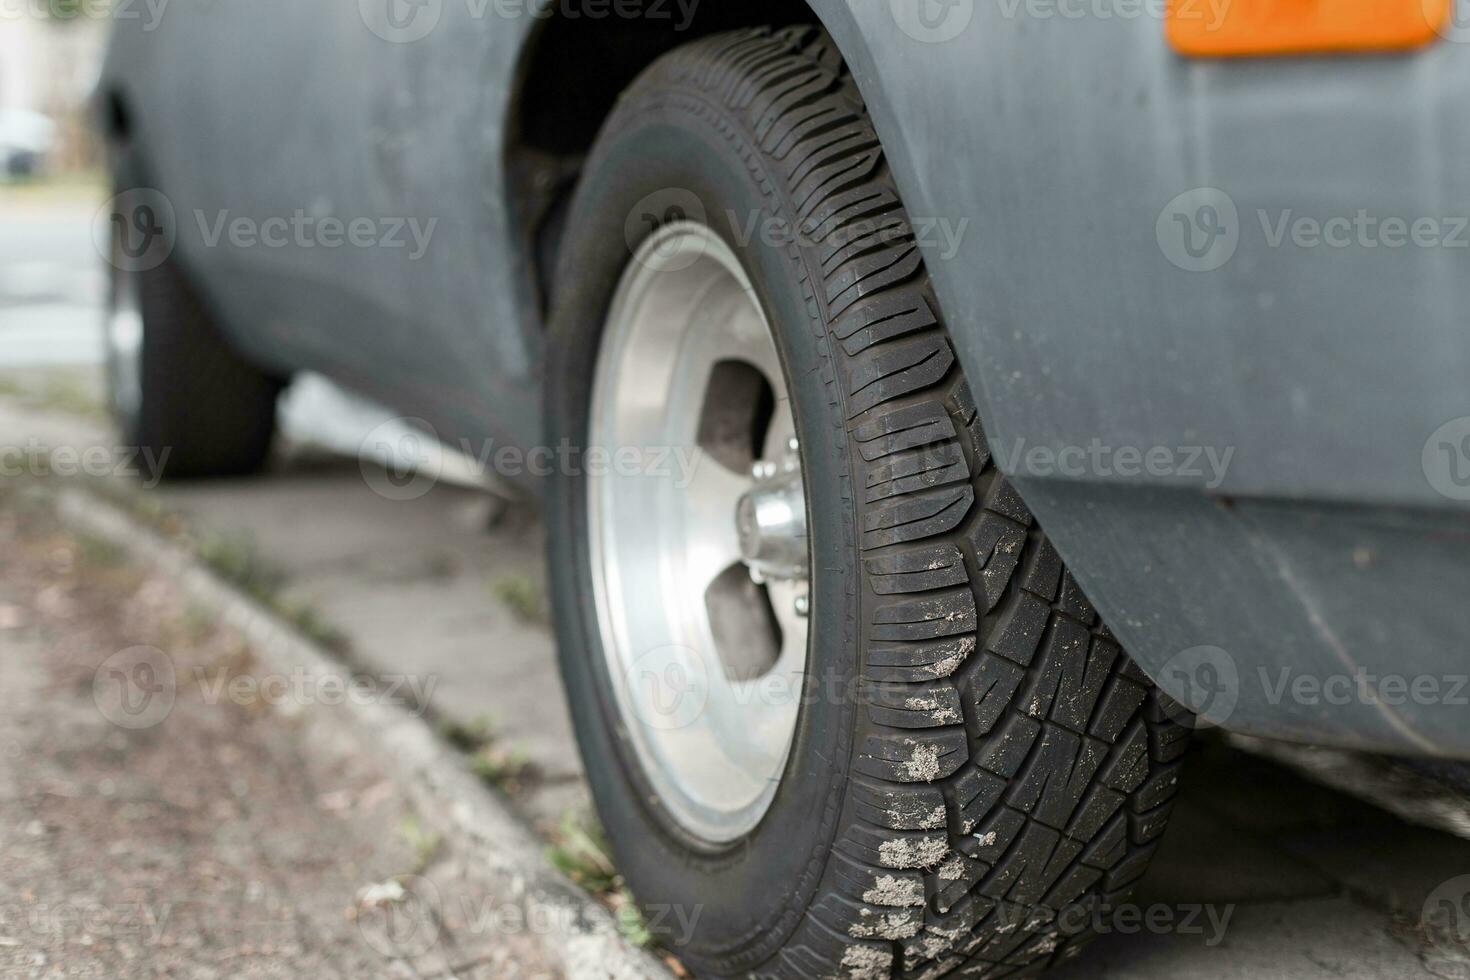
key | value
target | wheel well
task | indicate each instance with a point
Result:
(116, 117)
(572, 71)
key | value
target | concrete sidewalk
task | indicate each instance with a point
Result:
(448, 585)
(179, 834)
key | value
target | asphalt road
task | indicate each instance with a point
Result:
(1263, 874)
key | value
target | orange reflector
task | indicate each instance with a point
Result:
(1238, 28)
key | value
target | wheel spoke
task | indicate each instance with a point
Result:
(711, 543)
(791, 663)
(725, 328)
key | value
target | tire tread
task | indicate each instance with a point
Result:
(1010, 758)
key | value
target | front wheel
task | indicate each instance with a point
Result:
(843, 710)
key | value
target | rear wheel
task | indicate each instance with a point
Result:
(843, 709)
(175, 385)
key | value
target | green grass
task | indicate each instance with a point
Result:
(67, 391)
(71, 395)
(424, 843)
(469, 736)
(235, 558)
(581, 852)
(502, 767)
(99, 552)
(523, 597)
(310, 624)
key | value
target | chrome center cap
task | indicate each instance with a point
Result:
(770, 519)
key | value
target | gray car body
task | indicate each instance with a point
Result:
(1287, 594)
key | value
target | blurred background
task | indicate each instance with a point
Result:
(48, 64)
(52, 281)
(51, 284)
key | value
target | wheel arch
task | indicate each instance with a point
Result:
(569, 74)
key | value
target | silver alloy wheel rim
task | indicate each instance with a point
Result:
(706, 652)
(123, 336)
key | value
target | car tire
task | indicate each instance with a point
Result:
(972, 755)
(176, 387)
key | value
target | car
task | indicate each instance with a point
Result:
(938, 410)
(26, 139)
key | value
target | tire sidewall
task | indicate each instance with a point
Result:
(741, 901)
